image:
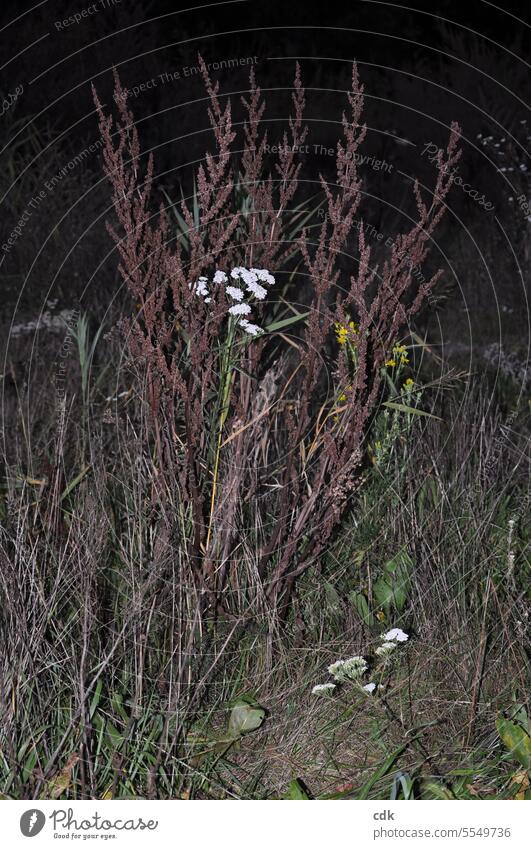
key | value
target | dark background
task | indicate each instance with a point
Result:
(422, 64)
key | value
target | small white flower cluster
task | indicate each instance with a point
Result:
(323, 689)
(251, 279)
(201, 288)
(355, 667)
(390, 641)
(348, 670)
(351, 669)
(396, 634)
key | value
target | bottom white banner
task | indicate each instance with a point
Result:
(261, 824)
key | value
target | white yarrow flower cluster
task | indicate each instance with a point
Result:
(396, 634)
(385, 649)
(252, 329)
(348, 670)
(240, 309)
(234, 293)
(264, 275)
(251, 279)
(390, 641)
(201, 289)
(249, 276)
(354, 668)
(323, 689)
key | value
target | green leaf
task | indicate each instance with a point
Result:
(383, 592)
(95, 698)
(29, 764)
(246, 715)
(380, 772)
(297, 791)
(117, 703)
(332, 597)
(394, 405)
(436, 790)
(405, 782)
(398, 572)
(361, 607)
(516, 739)
(285, 322)
(74, 482)
(115, 736)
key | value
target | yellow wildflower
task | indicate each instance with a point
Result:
(343, 395)
(343, 331)
(400, 352)
(390, 363)
(409, 382)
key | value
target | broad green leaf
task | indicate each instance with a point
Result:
(383, 592)
(518, 713)
(361, 607)
(115, 736)
(516, 739)
(399, 596)
(27, 769)
(246, 715)
(297, 791)
(398, 572)
(117, 703)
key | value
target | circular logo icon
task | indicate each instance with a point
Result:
(32, 822)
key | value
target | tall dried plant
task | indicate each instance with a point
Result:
(266, 459)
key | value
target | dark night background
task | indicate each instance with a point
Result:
(422, 64)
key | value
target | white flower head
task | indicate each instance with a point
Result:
(237, 272)
(385, 649)
(264, 275)
(235, 293)
(323, 689)
(348, 670)
(220, 277)
(200, 287)
(248, 275)
(253, 329)
(257, 290)
(370, 688)
(240, 309)
(396, 634)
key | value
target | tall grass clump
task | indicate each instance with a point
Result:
(261, 393)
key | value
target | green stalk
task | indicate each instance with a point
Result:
(226, 380)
